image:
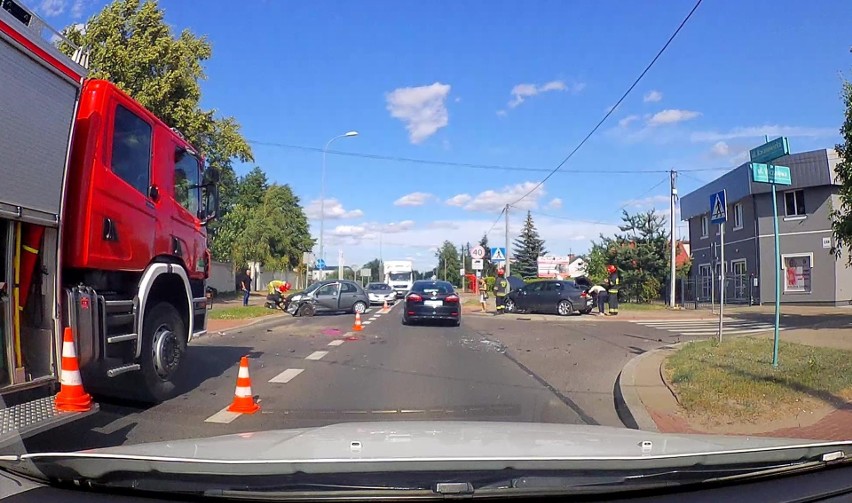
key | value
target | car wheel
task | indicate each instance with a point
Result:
(359, 307)
(564, 308)
(163, 348)
(307, 310)
(509, 305)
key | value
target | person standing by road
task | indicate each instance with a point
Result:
(613, 283)
(483, 294)
(245, 285)
(501, 289)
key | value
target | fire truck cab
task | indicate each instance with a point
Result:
(103, 213)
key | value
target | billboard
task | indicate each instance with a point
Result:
(561, 267)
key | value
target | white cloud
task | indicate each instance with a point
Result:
(52, 7)
(555, 203)
(333, 210)
(77, 8)
(646, 202)
(459, 200)
(501, 113)
(720, 149)
(443, 224)
(413, 199)
(653, 97)
(761, 131)
(672, 116)
(627, 120)
(494, 200)
(523, 91)
(422, 109)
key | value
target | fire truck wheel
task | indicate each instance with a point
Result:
(163, 348)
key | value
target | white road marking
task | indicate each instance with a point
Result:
(316, 355)
(224, 416)
(336, 342)
(286, 376)
(366, 322)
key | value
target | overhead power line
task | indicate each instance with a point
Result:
(490, 167)
(614, 107)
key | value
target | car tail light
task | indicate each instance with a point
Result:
(452, 298)
(413, 297)
(583, 294)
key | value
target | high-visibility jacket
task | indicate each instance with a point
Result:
(613, 283)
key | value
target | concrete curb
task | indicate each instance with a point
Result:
(629, 407)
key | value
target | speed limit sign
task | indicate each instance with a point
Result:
(478, 252)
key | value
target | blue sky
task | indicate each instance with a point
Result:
(507, 83)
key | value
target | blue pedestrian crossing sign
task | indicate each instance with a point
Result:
(718, 208)
(320, 264)
(498, 254)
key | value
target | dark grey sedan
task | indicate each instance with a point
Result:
(562, 297)
(332, 296)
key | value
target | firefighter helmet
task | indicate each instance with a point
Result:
(610, 269)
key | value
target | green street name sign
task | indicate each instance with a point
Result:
(770, 151)
(767, 173)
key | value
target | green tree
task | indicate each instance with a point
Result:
(274, 233)
(842, 216)
(528, 248)
(448, 263)
(252, 187)
(640, 253)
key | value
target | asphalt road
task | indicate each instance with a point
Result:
(327, 375)
(316, 371)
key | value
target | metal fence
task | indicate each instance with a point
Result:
(702, 292)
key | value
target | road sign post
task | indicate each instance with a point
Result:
(773, 175)
(719, 215)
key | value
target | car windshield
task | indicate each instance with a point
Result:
(598, 243)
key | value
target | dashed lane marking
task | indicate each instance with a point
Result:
(224, 416)
(286, 376)
(366, 322)
(336, 342)
(316, 355)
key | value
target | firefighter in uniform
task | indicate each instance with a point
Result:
(613, 282)
(501, 289)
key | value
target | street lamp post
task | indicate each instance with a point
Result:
(322, 191)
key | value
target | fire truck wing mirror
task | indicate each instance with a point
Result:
(212, 175)
(211, 203)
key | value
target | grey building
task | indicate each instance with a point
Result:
(810, 274)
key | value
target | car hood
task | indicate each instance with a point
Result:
(416, 445)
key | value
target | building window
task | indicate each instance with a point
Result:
(738, 216)
(794, 202)
(797, 272)
(131, 149)
(705, 280)
(704, 226)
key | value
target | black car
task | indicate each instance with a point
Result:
(561, 297)
(432, 300)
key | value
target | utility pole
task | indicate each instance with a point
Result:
(673, 239)
(508, 261)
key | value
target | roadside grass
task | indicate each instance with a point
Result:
(630, 306)
(240, 312)
(735, 379)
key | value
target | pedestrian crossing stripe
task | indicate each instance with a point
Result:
(699, 327)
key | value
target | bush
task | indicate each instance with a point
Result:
(489, 282)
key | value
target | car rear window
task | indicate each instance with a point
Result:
(436, 287)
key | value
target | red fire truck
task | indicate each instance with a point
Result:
(103, 213)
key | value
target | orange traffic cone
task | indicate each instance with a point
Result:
(357, 326)
(386, 304)
(243, 399)
(71, 396)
